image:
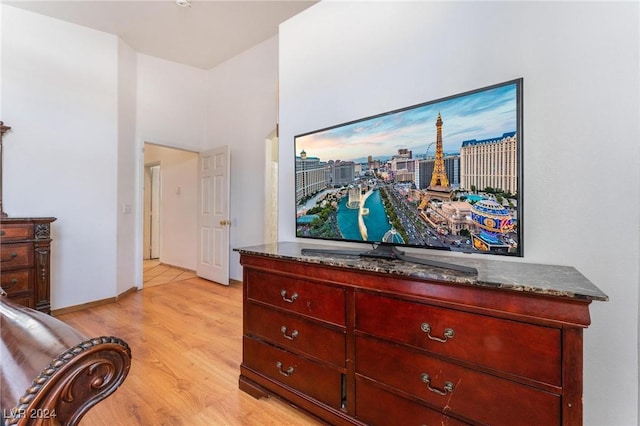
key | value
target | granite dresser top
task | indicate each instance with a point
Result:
(550, 280)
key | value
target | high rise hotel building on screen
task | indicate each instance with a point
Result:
(490, 163)
(310, 176)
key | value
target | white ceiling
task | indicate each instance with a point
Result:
(203, 35)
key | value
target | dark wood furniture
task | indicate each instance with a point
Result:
(25, 246)
(50, 374)
(356, 341)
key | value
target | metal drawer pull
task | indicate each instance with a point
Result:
(11, 283)
(448, 333)
(293, 298)
(448, 386)
(294, 333)
(287, 373)
(11, 257)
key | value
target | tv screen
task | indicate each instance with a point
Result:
(445, 174)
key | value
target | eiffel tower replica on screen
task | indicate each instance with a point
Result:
(439, 187)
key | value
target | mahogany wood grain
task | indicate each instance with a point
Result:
(18, 255)
(572, 376)
(311, 378)
(514, 358)
(297, 335)
(482, 397)
(51, 374)
(15, 231)
(541, 309)
(28, 348)
(15, 282)
(506, 346)
(405, 412)
(186, 343)
(320, 302)
(25, 247)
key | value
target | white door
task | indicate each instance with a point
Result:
(213, 215)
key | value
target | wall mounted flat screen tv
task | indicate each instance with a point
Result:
(445, 175)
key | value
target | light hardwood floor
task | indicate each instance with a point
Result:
(186, 341)
(156, 273)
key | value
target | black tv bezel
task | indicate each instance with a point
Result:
(519, 83)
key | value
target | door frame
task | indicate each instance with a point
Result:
(139, 201)
(149, 194)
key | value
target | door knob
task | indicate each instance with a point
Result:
(225, 222)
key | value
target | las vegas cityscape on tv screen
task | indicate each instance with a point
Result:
(440, 175)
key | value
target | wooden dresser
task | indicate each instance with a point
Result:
(357, 341)
(25, 244)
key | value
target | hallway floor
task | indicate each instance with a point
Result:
(156, 273)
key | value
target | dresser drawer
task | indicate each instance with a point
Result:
(471, 394)
(23, 300)
(377, 407)
(19, 255)
(292, 332)
(16, 282)
(321, 383)
(297, 295)
(16, 231)
(504, 345)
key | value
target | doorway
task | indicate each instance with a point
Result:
(179, 237)
(167, 229)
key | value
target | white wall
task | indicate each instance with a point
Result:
(1, 47)
(128, 264)
(171, 104)
(233, 104)
(60, 96)
(98, 162)
(341, 61)
(242, 115)
(82, 103)
(178, 204)
(171, 110)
